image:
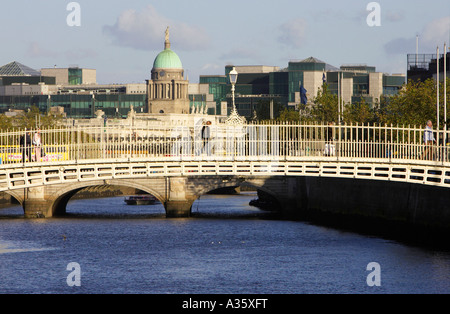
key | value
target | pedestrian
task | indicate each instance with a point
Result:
(37, 144)
(25, 146)
(428, 140)
(206, 134)
(330, 148)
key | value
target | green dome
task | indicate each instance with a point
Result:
(167, 59)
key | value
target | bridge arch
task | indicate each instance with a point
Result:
(18, 195)
(62, 196)
(269, 186)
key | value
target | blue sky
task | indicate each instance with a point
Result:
(120, 39)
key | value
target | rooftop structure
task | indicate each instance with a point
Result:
(17, 69)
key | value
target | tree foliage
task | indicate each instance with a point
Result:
(325, 108)
(415, 104)
(30, 119)
(289, 115)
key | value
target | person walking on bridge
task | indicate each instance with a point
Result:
(206, 134)
(429, 140)
(37, 144)
(25, 145)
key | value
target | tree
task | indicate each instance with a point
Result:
(30, 119)
(288, 115)
(360, 112)
(325, 108)
(6, 123)
(415, 104)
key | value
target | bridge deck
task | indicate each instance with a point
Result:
(355, 152)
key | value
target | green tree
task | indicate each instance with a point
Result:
(360, 112)
(6, 123)
(33, 118)
(30, 120)
(325, 107)
(288, 115)
(415, 104)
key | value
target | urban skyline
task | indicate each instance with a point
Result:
(121, 40)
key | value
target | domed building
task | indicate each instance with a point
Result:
(167, 90)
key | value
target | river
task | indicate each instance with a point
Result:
(228, 247)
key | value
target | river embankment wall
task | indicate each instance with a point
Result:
(388, 206)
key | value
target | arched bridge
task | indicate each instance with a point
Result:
(381, 171)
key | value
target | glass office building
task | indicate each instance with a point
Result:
(78, 106)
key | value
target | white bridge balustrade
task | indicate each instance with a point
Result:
(297, 163)
(358, 151)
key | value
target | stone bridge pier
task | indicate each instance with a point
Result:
(177, 194)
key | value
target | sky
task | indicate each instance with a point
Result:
(121, 39)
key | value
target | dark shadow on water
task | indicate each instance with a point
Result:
(262, 215)
(424, 238)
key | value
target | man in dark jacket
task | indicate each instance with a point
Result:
(25, 146)
(206, 134)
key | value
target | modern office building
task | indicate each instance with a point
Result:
(268, 85)
(71, 76)
(424, 66)
(22, 87)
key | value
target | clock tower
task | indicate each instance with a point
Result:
(167, 90)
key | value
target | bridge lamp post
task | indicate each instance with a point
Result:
(233, 80)
(234, 118)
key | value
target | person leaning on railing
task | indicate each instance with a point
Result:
(429, 140)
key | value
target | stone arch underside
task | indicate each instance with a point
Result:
(61, 196)
(17, 195)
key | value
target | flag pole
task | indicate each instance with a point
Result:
(437, 102)
(445, 86)
(339, 97)
(445, 94)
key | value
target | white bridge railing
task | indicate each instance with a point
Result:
(103, 153)
(272, 142)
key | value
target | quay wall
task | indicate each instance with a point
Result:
(370, 204)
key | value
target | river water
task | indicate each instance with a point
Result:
(228, 247)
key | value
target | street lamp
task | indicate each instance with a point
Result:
(233, 80)
(234, 117)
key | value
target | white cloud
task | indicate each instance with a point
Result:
(36, 51)
(433, 34)
(293, 33)
(144, 30)
(437, 32)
